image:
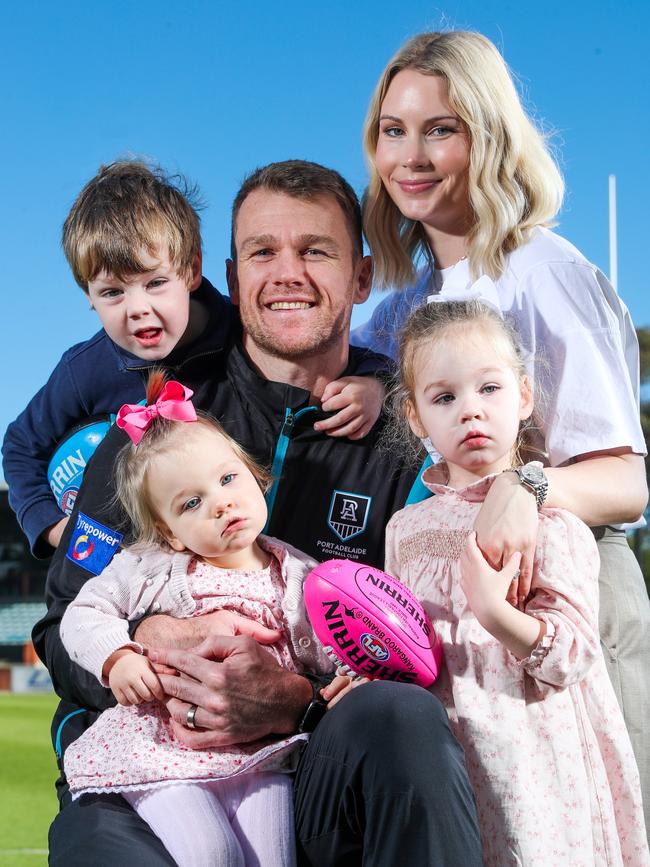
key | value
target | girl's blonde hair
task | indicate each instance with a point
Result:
(134, 464)
(427, 325)
(514, 182)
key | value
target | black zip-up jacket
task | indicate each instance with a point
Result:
(331, 497)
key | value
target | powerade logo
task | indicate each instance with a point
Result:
(92, 545)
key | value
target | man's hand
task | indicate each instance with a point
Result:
(241, 692)
(358, 399)
(162, 631)
(506, 523)
(131, 677)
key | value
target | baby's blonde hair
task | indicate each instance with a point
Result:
(134, 464)
(514, 182)
(429, 324)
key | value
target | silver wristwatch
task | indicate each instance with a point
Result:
(533, 477)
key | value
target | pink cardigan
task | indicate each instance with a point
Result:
(154, 581)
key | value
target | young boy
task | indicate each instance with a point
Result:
(133, 242)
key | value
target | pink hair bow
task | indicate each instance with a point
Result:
(174, 404)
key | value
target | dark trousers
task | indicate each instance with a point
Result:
(381, 783)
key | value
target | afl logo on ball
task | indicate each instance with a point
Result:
(374, 647)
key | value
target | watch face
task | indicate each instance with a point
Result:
(534, 475)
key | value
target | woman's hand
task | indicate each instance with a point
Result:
(357, 401)
(131, 677)
(507, 523)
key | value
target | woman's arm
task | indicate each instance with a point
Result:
(601, 487)
(579, 339)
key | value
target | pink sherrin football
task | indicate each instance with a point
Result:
(372, 622)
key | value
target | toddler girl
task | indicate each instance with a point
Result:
(197, 505)
(526, 688)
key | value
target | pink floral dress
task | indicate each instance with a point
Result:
(134, 748)
(545, 744)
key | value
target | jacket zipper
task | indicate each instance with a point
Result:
(281, 446)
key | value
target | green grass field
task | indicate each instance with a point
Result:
(27, 774)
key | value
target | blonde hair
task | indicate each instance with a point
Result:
(134, 464)
(428, 324)
(514, 182)
(126, 208)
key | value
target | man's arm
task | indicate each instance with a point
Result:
(163, 631)
(96, 501)
(241, 692)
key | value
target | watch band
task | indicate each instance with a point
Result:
(533, 477)
(317, 707)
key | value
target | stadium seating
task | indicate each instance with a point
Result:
(17, 620)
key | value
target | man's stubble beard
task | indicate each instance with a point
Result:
(318, 342)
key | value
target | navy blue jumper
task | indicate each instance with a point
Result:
(92, 379)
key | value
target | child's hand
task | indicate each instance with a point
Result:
(486, 588)
(507, 522)
(131, 677)
(358, 400)
(340, 686)
(53, 534)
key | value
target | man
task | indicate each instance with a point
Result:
(374, 784)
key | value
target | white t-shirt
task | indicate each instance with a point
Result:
(577, 335)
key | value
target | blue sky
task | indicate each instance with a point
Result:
(214, 89)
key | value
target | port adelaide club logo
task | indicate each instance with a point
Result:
(348, 515)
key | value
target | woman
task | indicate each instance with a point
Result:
(461, 177)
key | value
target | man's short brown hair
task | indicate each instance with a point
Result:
(126, 208)
(303, 180)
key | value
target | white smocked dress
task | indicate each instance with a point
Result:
(545, 744)
(134, 747)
